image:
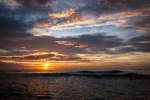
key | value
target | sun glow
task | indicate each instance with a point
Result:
(46, 65)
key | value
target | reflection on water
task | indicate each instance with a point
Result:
(51, 87)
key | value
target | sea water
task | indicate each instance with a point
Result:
(76, 86)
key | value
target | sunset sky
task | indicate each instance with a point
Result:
(69, 35)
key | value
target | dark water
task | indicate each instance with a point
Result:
(38, 86)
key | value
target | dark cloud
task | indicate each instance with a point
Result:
(39, 57)
(51, 57)
(11, 66)
(141, 43)
(118, 5)
(10, 28)
(87, 9)
(36, 3)
(11, 25)
(37, 11)
(96, 42)
(140, 24)
(65, 58)
(17, 24)
(136, 44)
(142, 38)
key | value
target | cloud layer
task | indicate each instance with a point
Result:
(32, 30)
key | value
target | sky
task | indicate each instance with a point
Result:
(70, 35)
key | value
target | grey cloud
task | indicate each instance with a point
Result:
(39, 56)
(52, 57)
(37, 12)
(140, 24)
(136, 44)
(141, 43)
(142, 38)
(11, 66)
(95, 9)
(100, 41)
(10, 28)
(11, 25)
(19, 22)
(31, 3)
(96, 43)
(65, 59)
(14, 24)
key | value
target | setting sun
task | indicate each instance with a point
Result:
(46, 65)
(75, 49)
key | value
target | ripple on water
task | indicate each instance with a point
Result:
(73, 88)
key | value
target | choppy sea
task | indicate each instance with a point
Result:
(82, 85)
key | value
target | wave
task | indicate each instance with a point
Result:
(98, 74)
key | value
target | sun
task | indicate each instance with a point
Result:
(46, 65)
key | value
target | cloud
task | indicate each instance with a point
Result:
(43, 57)
(68, 45)
(96, 13)
(10, 28)
(65, 59)
(143, 38)
(12, 25)
(26, 27)
(135, 44)
(141, 43)
(39, 56)
(10, 66)
(96, 48)
(76, 14)
(34, 3)
(141, 25)
(64, 14)
(20, 21)
(88, 43)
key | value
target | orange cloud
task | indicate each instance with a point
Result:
(64, 14)
(69, 43)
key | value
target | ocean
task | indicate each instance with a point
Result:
(82, 85)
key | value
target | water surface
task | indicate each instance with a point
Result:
(74, 86)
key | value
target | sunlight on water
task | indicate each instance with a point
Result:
(48, 86)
